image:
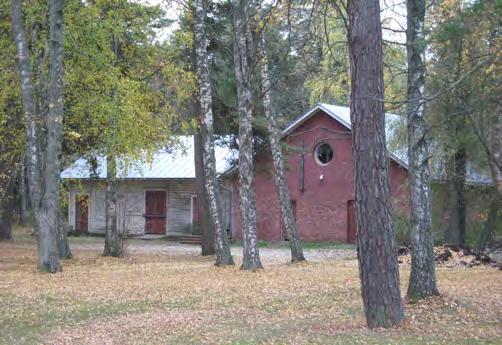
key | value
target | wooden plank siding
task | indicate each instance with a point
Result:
(131, 204)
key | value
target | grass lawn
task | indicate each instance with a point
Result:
(182, 298)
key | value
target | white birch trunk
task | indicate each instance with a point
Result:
(29, 108)
(46, 205)
(223, 255)
(278, 160)
(422, 278)
(251, 255)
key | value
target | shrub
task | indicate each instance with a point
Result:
(402, 227)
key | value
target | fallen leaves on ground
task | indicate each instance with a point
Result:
(181, 298)
(453, 256)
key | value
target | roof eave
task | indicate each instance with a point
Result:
(320, 106)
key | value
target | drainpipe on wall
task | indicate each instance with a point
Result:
(230, 194)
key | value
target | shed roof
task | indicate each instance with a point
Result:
(175, 162)
(342, 115)
(397, 152)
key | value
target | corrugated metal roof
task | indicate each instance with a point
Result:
(399, 153)
(342, 115)
(176, 162)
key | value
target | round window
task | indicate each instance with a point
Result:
(323, 153)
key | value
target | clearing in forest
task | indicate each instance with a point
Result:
(163, 293)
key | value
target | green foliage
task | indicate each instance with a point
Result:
(331, 82)
(121, 86)
(464, 44)
(402, 229)
(11, 128)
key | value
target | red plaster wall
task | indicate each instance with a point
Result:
(322, 206)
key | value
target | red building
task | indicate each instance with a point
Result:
(320, 175)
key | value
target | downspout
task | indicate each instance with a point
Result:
(230, 194)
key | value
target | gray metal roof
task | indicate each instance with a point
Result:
(176, 162)
(342, 115)
(398, 153)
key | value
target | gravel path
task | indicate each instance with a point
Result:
(268, 255)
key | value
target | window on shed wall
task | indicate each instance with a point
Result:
(323, 153)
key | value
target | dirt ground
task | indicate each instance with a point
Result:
(166, 293)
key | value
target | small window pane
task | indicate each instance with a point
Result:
(323, 153)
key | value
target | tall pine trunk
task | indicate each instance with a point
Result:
(223, 255)
(278, 160)
(251, 255)
(113, 239)
(378, 267)
(422, 278)
(206, 222)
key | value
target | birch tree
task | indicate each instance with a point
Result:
(208, 239)
(43, 188)
(247, 201)
(278, 159)
(422, 278)
(376, 247)
(28, 101)
(223, 255)
(113, 239)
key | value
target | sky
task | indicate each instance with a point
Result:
(393, 14)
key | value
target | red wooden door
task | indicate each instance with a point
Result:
(351, 221)
(155, 212)
(195, 210)
(82, 213)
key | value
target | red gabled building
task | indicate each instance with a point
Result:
(320, 176)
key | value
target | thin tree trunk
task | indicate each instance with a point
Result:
(23, 205)
(495, 203)
(278, 160)
(456, 230)
(206, 222)
(29, 107)
(422, 278)
(251, 257)
(493, 151)
(378, 267)
(7, 211)
(486, 235)
(223, 255)
(62, 240)
(113, 240)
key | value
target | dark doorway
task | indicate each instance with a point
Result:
(195, 211)
(155, 212)
(82, 213)
(351, 221)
